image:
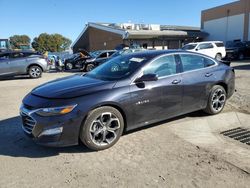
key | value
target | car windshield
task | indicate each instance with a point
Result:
(117, 68)
(189, 47)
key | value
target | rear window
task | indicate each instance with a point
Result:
(219, 44)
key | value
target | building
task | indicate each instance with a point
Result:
(228, 22)
(103, 36)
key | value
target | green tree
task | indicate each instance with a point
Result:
(16, 41)
(52, 43)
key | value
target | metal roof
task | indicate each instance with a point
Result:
(165, 31)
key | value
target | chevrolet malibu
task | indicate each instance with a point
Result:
(127, 92)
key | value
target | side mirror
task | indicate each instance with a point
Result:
(196, 49)
(147, 78)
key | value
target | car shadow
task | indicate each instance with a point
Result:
(21, 77)
(242, 67)
(192, 114)
(67, 71)
(14, 143)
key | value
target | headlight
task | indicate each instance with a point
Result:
(55, 111)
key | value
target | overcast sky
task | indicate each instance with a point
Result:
(68, 17)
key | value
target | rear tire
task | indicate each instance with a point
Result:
(35, 71)
(102, 128)
(218, 57)
(216, 100)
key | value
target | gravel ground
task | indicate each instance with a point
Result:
(150, 157)
(241, 99)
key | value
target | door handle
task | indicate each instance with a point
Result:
(176, 81)
(208, 74)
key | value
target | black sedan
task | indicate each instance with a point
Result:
(237, 50)
(97, 58)
(127, 92)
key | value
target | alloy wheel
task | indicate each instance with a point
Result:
(104, 129)
(35, 72)
(69, 66)
(218, 100)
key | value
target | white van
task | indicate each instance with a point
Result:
(214, 49)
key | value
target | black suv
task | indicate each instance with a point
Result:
(237, 50)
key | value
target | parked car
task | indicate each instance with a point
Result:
(214, 49)
(126, 51)
(237, 50)
(22, 62)
(125, 93)
(98, 57)
(77, 60)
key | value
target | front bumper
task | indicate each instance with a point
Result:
(54, 131)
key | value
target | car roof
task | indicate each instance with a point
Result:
(102, 51)
(205, 42)
(153, 53)
(156, 53)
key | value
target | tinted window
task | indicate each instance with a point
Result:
(219, 44)
(209, 62)
(192, 62)
(17, 55)
(162, 66)
(205, 46)
(103, 55)
(231, 44)
(111, 53)
(4, 56)
(189, 47)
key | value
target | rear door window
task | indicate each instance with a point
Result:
(192, 62)
(219, 44)
(205, 46)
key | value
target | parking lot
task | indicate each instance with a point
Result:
(187, 151)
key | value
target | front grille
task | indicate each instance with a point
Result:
(28, 123)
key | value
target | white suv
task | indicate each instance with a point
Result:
(214, 49)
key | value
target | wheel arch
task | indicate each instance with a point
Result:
(224, 85)
(109, 104)
(34, 64)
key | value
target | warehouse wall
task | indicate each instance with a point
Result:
(227, 22)
(226, 28)
(103, 40)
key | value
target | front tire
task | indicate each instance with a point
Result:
(102, 128)
(35, 71)
(216, 101)
(69, 66)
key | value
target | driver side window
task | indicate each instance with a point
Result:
(163, 66)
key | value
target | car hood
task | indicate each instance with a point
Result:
(72, 86)
(232, 48)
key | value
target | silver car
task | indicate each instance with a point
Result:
(22, 63)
